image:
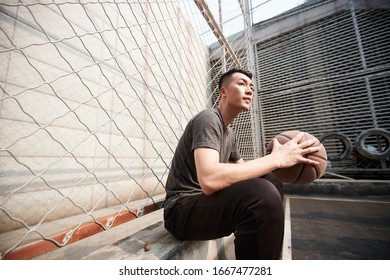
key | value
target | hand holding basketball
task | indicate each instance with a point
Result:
(302, 157)
(294, 151)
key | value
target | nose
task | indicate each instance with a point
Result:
(249, 90)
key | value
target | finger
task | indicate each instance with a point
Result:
(309, 161)
(313, 141)
(310, 150)
(309, 143)
(275, 143)
(298, 137)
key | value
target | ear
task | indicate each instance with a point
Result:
(222, 91)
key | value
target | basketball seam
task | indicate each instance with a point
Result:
(299, 175)
(285, 136)
(317, 172)
(317, 156)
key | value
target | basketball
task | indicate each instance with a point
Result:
(300, 173)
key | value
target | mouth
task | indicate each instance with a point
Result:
(247, 99)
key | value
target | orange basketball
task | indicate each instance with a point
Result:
(300, 173)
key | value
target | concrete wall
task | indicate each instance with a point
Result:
(93, 101)
(312, 11)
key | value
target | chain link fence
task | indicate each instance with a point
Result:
(94, 97)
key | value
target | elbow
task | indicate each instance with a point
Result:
(210, 185)
(207, 187)
(207, 190)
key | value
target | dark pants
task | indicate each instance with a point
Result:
(251, 209)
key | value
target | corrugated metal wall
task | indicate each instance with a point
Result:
(330, 75)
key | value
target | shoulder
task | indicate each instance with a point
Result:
(209, 115)
(206, 122)
(208, 112)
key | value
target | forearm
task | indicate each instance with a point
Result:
(214, 176)
(217, 176)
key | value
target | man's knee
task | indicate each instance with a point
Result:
(265, 188)
(260, 193)
(271, 198)
(262, 207)
(276, 182)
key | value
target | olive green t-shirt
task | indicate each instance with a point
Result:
(205, 130)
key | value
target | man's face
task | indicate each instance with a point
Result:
(239, 91)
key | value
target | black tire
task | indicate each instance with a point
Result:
(362, 148)
(344, 139)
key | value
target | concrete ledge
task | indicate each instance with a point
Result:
(49, 236)
(143, 238)
(341, 187)
(155, 242)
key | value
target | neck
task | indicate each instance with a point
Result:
(228, 114)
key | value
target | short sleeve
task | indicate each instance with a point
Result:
(206, 131)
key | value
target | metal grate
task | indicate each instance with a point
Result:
(318, 78)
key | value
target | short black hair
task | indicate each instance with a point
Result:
(229, 73)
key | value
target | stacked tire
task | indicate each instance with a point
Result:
(382, 136)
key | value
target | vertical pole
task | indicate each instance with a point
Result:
(366, 79)
(364, 63)
(256, 129)
(223, 68)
